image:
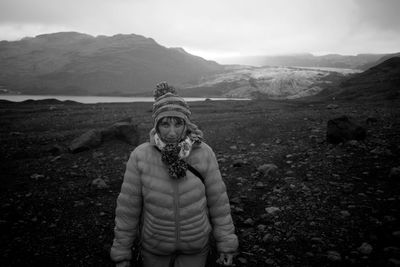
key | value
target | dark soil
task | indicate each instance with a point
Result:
(324, 205)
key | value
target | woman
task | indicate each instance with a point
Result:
(164, 203)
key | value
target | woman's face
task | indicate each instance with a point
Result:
(171, 129)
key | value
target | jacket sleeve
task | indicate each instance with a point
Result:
(219, 208)
(127, 213)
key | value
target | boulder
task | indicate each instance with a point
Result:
(343, 129)
(124, 131)
(90, 139)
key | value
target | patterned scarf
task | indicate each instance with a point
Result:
(174, 155)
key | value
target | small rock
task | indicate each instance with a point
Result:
(235, 200)
(238, 163)
(249, 221)
(242, 260)
(289, 173)
(270, 262)
(371, 120)
(394, 173)
(99, 183)
(267, 169)
(233, 147)
(276, 239)
(392, 250)
(239, 209)
(289, 179)
(353, 143)
(259, 185)
(97, 154)
(36, 176)
(79, 203)
(261, 227)
(310, 254)
(345, 213)
(332, 106)
(272, 210)
(267, 238)
(56, 158)
(394, 262)
(334, 256)
(365, 248)
(277, 189)
(348, 188)
(396, 234)
(381, 151)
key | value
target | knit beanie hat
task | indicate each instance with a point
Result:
(169, 104)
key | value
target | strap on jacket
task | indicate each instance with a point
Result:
(191, 169)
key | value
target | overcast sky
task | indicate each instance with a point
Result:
(215, 29)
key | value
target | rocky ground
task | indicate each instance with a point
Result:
(296, 199)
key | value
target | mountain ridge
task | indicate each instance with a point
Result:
(359, 61)
(378, 82)
(70, 62)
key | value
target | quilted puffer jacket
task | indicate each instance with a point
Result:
(170, 215)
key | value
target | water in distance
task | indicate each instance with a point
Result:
(99, 99)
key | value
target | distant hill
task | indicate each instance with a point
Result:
(361, 61)
(379, 61)
(72, 63)
(379, 82)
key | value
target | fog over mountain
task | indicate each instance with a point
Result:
(71, 63)
(361, 61)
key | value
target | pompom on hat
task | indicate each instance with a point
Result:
(169, 104)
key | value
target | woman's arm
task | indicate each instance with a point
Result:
(127, 213)
(219, 208)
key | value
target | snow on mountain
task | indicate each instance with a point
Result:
(273, 82)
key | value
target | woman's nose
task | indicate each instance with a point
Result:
(172, 132)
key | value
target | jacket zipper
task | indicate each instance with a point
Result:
(177, 225)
